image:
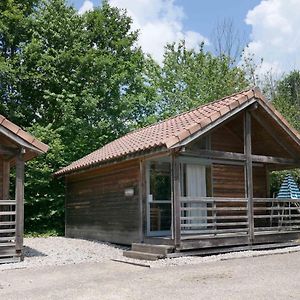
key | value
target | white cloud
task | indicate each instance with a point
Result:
(160, 22)
(275, 34)
(86, 6)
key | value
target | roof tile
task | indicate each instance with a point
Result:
(166, 133)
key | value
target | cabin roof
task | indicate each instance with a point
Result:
(22, 138)
(178, 130)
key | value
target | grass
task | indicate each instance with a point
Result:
(44, 234)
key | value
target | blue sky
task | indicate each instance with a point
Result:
(202, 15)
(270, 27)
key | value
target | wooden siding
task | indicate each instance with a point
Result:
(228, 137)
(97, 208)
(229, 181)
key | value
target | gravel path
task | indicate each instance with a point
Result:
(56, 251)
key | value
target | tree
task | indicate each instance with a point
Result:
(287, 98)
(287, 101)
(189, 78)
(227, 40)
(74, 82)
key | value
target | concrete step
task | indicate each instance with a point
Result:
(154, 249)
(142, 255)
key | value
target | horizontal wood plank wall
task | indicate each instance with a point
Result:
(97, 208)
(228, 181)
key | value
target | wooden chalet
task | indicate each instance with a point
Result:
(16, 147)
(196, 182)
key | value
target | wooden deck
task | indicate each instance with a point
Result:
(226, 223)
(8, 251)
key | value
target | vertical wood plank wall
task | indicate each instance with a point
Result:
(97, 208)
(229, 180)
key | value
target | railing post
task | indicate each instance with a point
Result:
(19, 194)
(248, 173)
(176, 199)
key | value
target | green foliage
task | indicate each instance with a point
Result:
(77, 82)
(71, 82)
(189, 78)
(287, 98)
(287, 101)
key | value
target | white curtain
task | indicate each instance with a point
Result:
(196, 186)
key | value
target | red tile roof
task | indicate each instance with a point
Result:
(23, 135)
(167, 133)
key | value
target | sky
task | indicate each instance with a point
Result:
(269, 27)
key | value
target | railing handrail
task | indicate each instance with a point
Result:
(195, 199)
(279, 200)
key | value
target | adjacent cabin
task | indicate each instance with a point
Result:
(16, 147)
(199, 180)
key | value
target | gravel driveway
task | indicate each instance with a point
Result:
(57, 251)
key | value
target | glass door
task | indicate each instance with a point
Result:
(159, 198)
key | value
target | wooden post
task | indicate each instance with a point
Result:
(142, 197)
(19, 202)
(176, 199)
(248, 173)
(5, 182)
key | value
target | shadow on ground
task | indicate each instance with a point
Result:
(30, 252)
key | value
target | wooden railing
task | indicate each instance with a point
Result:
(205, 216)
(280, 215)
(7, 220)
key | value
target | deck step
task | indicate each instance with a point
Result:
(8, 251)
(223, 250)
(11, 259)
(142, 255)
(153, 249)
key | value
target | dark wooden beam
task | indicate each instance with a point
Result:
(176, 199)
(19, 194)
(275, 160)
(249, 173)
(213, 154)
(142, 197)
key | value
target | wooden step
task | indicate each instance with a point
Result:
(142, 255)
(7, 251)
(7, 260)
(154, 249)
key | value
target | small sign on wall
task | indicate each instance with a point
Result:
(129, 192)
